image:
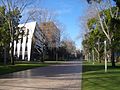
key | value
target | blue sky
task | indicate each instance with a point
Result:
(69, 12)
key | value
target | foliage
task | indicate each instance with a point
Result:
(10, 14)
(90, 1)
(66, 49)
(4, 30)
(117, 3)
(108, 23)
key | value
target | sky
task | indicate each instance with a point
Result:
(69, 12)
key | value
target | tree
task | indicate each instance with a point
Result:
(68, 47)
(42, 15)
(12, 15)
(105, 18)
(95, 37)
(4, 32)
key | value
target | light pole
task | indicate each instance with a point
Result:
(93, 56)
(105, 56)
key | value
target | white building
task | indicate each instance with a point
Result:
(31, 42)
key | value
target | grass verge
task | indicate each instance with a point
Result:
(20, 66)
(94, 77)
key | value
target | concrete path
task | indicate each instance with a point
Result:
(66, 76)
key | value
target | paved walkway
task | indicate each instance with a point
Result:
(57, 77)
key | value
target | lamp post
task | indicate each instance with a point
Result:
(93, 56)
(105, 56)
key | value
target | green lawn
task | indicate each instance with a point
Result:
(20, 66)
(94, 77)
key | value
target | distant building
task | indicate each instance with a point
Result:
(52, 34)
(31, 43)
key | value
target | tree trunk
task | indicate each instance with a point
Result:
(87, 57)
(12, 41)
(12, 53)
(98, 57)
(112, 57)
(5, 56)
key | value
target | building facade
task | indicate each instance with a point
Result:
(30, 45)
(52, 34)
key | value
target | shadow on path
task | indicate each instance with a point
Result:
(50, 71)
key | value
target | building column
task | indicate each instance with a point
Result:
(23, 47)
(29, 48)
(15, 47)
(18, 47)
